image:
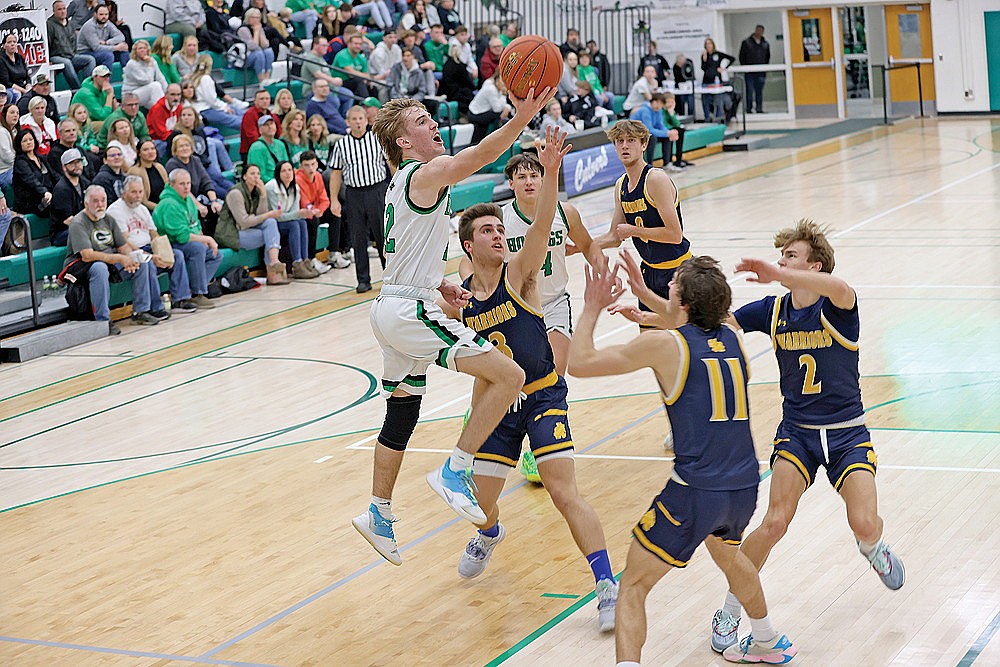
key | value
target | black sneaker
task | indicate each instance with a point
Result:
(143, 319)
(364, 287)
(185, 306)
(160, 314)
(113, 329)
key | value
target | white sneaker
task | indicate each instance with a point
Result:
(378, 531)
(321, 267)
(607, 598)
(673, 168)
(372, 251)
(668, 443)
(338, 261)
(725, 630)
(458, 490)
(477, 553)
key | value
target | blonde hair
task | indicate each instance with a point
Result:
(627, 129)
(163, 47)
(390, 124)
(276, 108)
(286, 127)
(324, 135)
(814, 235)
(71, 114)
(112, 135)
(202, 68)
(179, 139)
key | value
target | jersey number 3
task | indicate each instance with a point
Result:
(718, 390)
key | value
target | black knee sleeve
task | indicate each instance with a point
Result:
(401, 415)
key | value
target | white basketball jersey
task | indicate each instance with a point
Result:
(416, 239)
(553, 276)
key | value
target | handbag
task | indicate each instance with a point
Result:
(163, 251)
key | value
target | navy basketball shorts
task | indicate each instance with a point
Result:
(658, 280)
(841, 451)
(682, 517)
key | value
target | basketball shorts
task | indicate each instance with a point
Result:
(415, 333)
(682, 517)
(558, 315)
(542, 416)
(841, 451)
(658, 280)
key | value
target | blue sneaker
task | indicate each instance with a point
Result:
(888, 566)
(458, 490)
(777, 652)
(378, 531)
(725, 630)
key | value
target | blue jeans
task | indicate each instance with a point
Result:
(145, 289)
(685, 104)
(201, 266)
(378, 11)
(107, 58)
(76, 68)
(708, 106)
(6, 178)
(217, 118)
(309, 17)
(5, 224)
(755, 91)
(264, 235)
(298, 237)
(261, 61)
(180, 288)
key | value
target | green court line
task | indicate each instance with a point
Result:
(977, 648)
(559, 595)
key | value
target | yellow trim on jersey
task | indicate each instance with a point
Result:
(837, 336)
(796, 462)
(548, 449)
(852, 468)
(655, 550)
(868, 444)
(743, 350)
(670, 517)
(517, 297)
(496, 457)
(550, 413)
(540, 383)
(670, 264)
(736, 542)
(775, 311)
(682, 371)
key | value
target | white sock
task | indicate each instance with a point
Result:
(868, 549)
(627, 663)
(461, 460)
(384, 506)
(762, 630)
(732, 605)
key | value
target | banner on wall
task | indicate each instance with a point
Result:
(681, 32)
(591, 169)
(32, 38)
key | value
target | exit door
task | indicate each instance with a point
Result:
(908, 42)
(814, 75)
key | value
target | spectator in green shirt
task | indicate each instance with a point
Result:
(163, 51)
(269, 150)
(129, 110)
(675, 129)
(436, 48)
(354, 63)
(96, 94)
(587, 72)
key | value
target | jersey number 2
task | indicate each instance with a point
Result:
(809, 383)
(718, 390)
(390, 243)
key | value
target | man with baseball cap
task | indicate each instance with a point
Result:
(67, 196)
(41, 86)
(268, 150)
(97, 94)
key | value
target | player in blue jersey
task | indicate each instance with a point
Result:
(712, 491)
(505, 308)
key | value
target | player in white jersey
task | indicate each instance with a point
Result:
(409, 326)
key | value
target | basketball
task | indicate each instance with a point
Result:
(530, 62)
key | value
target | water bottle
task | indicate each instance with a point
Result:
(46, 287)
(167, 305)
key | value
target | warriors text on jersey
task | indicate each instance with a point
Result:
(416, 239)
(641, 211)
(553, 276)
(817, 351)
(709, 411)
(514, 327)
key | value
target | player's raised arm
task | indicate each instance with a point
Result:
(447, 170)
(668, 315)
(813, 279)
(578, 234)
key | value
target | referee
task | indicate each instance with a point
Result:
(358, 160)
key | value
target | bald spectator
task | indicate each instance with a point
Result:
(163, 117)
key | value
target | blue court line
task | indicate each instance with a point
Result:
(132, 654)
(367, 568)
(981, 642)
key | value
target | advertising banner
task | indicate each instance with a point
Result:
(591, 169)
(32, 38)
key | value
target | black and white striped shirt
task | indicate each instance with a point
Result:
(361, 160)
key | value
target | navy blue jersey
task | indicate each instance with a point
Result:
(817, 351)
(514, 327)
(710, 413)
(640, 210)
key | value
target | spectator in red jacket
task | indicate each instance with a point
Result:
(491, 59)
(249, 132)
(163, 116)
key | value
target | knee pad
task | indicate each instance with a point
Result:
(401, 415)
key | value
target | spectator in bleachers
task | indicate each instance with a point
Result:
(135, 221)
(247, 222)
(375, 11)
(587, 72)
(94, 237)
(41, 86)
(306, 12)
(553, 117)
(650, 114)
(642, 90)
(583, 106)
(510, 32)
(314, 66)
(420, 17)
(207, 201)
(142, 76)
(67, 195)
(186, 17)
(102, 40)
(218, 29)
(386, 54)
(654, 60)
(163, 51)
(213, 110)
(409, 41)
(491, 59)
(164, 115)
(293, 133)
(39, 123)
(122, 135)
(407, 80)
(111, 175)
(97, 95)
(10, 120)
(284, 102)
(314, 198)
(461, 39)
(333, 20)
(450, 20)
(319, 140)
(713, 66)
(211, 151)
(567, 84)
(68, 140)
(436, 47)
(259, 53)
(129, 110)
(323, 104)
(186, 59)
(268, 150)
(354, 62)
(286, 29)
(176, 217)
(283, 196)
(151, 173)
(489, 108)
(33, 180)
(119, 23)
(675, 129)
(275, 29)
(600, 62)
(456, 83)
(80, 11)
(572, 42)
(371, 106)
(62, 47)
(13, 68)
(86, 138)
(482, 43)
(249, 130)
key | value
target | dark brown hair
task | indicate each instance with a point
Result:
(702, 287)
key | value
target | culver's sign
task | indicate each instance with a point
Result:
(591, 169)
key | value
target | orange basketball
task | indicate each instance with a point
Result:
(530, 62)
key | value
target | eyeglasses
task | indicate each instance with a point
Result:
(114, 155)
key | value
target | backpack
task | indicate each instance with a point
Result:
(17, 237)
(74, 277)
(236, 279)
(236, 55)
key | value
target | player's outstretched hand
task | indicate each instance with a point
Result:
(634, 275)
(603, 286)
(552, 153)
(456, 295)
(766, 272)
(631, 313)
(531, 104)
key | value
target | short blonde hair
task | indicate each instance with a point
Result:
(627, 129)
(178, 140)
(813, 234)
(390, 124)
